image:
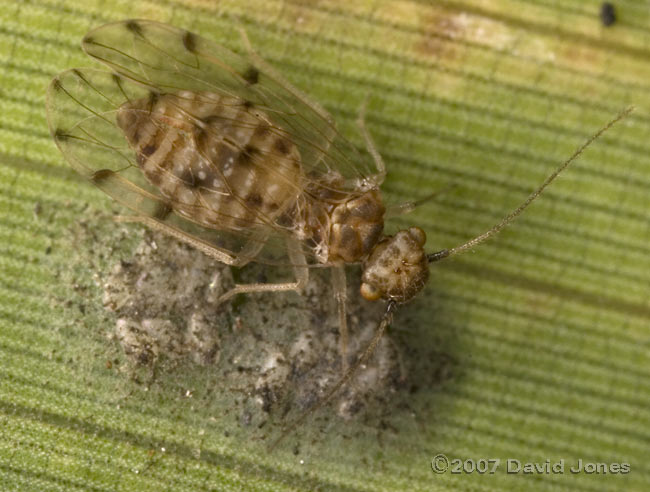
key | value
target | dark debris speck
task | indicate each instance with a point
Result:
(607, 14)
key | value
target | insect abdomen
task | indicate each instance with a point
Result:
(217, 159)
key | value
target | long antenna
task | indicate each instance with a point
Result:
(392, 305)
(512, 215)
(363, 358)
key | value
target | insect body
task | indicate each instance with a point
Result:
(206, 154)
(219, 163)
(219, 151)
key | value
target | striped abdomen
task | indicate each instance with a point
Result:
(218, 160)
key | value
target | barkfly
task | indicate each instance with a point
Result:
(219, 151)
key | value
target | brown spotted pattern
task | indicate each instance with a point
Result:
(340, 226)
(356, 226)
(229, 145)
(217, 159)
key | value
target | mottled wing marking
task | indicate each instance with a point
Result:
(82, 111)
(217, 161)
(151, 61)
(168, 59)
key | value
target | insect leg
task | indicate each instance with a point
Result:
(250, 251)
(340, 293)
(300, 269)
(408, 207)
(363, 358)
(376, 179)
(206, 248)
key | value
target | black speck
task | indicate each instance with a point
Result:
(134, 27)
(78, 73)
(144, 153)
(607, 14)
(163, 209)
(118, 82)
(153, 99)
(101, 175)
(262, 130)
(60, 135)
(213, 119)
(147, 150)
(189, 41)
(192, 180)
(281, 146)
(254, 200)
(247, 153)
(251, 75)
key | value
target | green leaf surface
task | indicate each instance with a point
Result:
(547, 326)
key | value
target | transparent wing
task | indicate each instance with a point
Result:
(82, 107)
(148, 59)
(168, 59)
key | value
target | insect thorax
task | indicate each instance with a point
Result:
(218, 160)
(342, 226)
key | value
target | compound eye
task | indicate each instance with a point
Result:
(418, 235)
(369, 292)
